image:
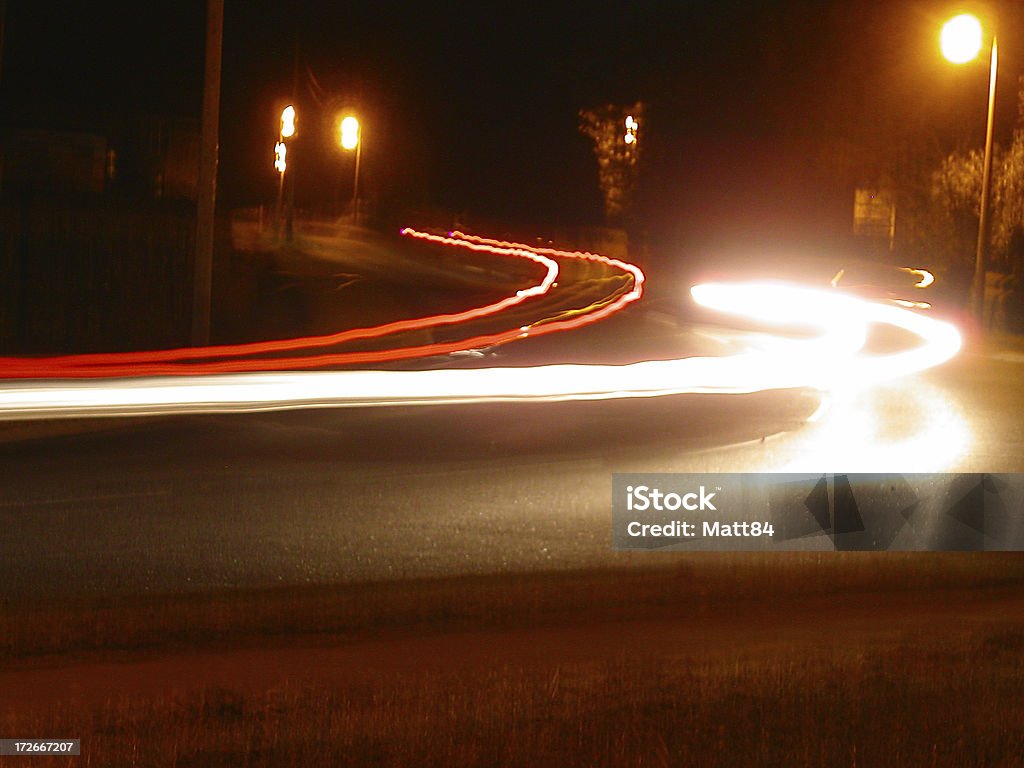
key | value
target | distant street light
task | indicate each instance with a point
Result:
(280, 157)
(351, 138)
(961, 38)
(349, 133)
(631, 128)
(961, 41)
(288, 122)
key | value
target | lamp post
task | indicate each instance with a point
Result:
(281, 165)
(351, 139)
(288, 131)
(961, 41)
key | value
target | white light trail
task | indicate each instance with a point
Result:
(926, 277)
(831, 359)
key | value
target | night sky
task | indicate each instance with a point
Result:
(761, 116)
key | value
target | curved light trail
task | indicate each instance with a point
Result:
(124, 363)
(209, 360)
(830, 360)
(833, 358)
(632, 269)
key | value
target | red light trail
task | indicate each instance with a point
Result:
(209, 360)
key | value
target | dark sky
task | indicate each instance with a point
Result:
(755, 107)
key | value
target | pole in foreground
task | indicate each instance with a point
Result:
(207, 193)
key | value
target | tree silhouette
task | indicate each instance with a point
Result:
(617, 157)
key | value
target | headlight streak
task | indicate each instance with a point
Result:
(829, 361)
(927, 278)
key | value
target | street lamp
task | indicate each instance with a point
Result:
(281, 157)
(288, 131)
(288, 122)
(351, 138)
(961, 41)
(631, 128)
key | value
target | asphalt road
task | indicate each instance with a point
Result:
(314, 497)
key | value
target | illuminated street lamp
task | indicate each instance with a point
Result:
(288, 122)
(280, 157)
(961, 41)
(351, 139)
(631, 128)
(349, 133)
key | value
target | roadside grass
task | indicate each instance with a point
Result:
(908, 694)
(935, 699)
(692, 584)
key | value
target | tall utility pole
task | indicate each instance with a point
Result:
(207, 192)
(352, 138)
(961, 41)
(981, 253)
(3, 24)
(289, 218)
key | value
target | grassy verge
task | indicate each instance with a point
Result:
(693, 584)
(797, 660)
(931, 700)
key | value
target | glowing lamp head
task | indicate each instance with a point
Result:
(961, 38)
(631, 128)
(349, 133)
(288, 122)
(280, 152)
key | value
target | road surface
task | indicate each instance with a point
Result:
(314, 497)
